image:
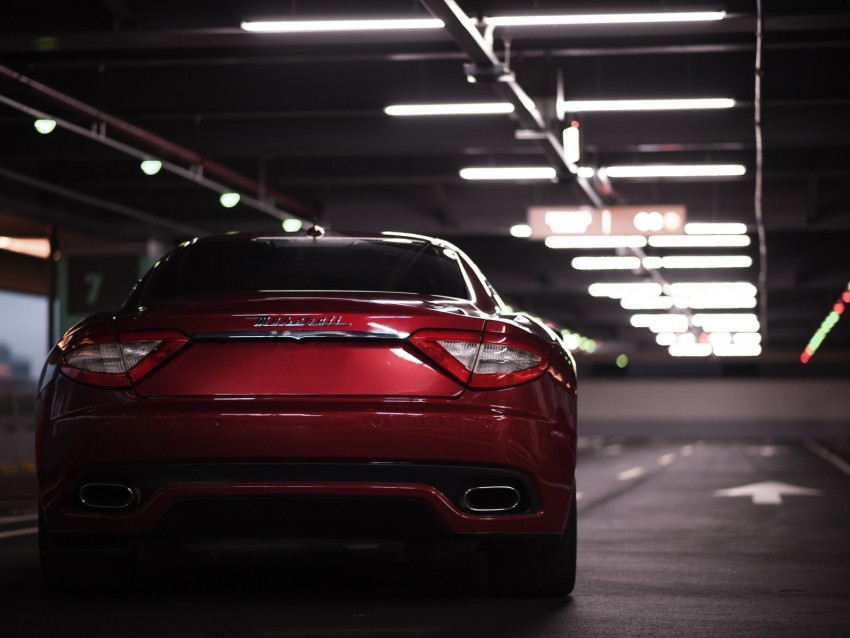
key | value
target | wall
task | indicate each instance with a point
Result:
(784, 408)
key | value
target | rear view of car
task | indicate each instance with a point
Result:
(314, 387)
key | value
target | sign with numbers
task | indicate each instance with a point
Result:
(100, 283)
(654, 219)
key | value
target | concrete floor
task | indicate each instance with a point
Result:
(660, 554)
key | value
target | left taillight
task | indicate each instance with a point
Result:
(120, 360)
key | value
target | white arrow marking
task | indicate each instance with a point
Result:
(768, 493)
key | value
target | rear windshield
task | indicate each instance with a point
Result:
(307, 264)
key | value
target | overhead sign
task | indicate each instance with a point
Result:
(655, 219)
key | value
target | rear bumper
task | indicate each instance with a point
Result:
(269, 459)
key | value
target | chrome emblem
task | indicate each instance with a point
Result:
(289, 321)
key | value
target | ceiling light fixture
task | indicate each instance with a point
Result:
(229, 200)
(31, 246)
(620, 290)
(44, 126)
(699, 241)
(480, 108)
(605, 263)
(595, 241)
(151, 167)
(584, 106)
(675, 170)
(745, 322)
(654, 263)
(690, 350)
(609, 18)
(508, 172)
(521, 230)
(715, 228)
(669, 322)
(318, 26)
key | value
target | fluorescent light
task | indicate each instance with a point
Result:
(746, 338)
(521, 230)
(603, 18)
(229, 200)
(605, 263)
(45, 126)
(670, 322)
(717, 288)
(676, 170)
(620, 290)
(595, 241)
(736, 350)
(34, 247)
(509, 172)
(744, 322)
(712, 303)
(481, 108)
(581, 106)
(666, 338)
(655, 263)
(715, 228)
(690, 350)
(586, 172)
(698, 261)
(315, 26)
(646, 303)
(699, 241)
(151, 167)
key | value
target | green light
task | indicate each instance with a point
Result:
(45, 126)
(823, 330)
(151, 167)
(292, 225)
(229, 200)
(622, 361)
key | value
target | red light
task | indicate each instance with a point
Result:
(804, 358)
(846, 296)
(838, 307)
(574, 123)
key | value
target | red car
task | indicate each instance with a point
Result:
(310, 387)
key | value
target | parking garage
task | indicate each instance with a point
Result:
(664, 188)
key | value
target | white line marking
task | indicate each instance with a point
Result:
(8, 520)
(19, 532)
(627, 475)
(667, 459)
(827, 455)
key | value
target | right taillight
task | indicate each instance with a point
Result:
(482, 361)
(118, 361)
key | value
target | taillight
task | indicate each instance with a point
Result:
(118, 361)
(482, 361)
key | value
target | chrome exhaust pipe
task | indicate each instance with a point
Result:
(491, 498)
(107, 495)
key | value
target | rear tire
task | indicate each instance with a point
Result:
(81, 567)
(535, 569)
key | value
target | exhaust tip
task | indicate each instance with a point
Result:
(107, 495)
(491, 498)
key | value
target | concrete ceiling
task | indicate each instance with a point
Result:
(300, 118)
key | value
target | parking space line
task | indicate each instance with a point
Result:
(627, 475)
(827, 455)
(667, 459)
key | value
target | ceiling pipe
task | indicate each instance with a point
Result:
(485, 63)
(166, 147)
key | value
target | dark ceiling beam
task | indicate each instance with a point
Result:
(96, 202)
(162, 145)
